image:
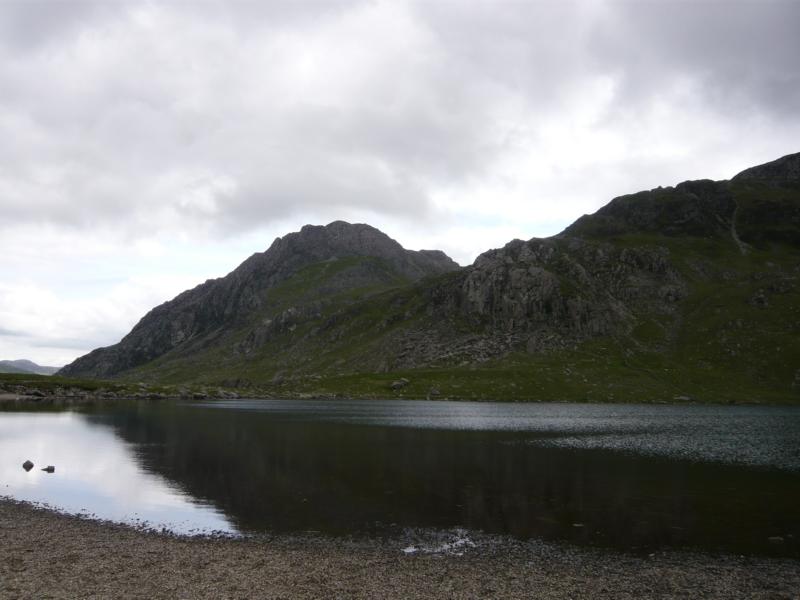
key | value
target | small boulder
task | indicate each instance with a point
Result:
(399, 384)
(27, 465)
(49, 469)
(760, 300)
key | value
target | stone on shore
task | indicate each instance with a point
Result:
(399, 384)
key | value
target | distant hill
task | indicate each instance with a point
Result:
(687, 292)
(25, 366)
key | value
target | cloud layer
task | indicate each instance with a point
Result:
(454, 125)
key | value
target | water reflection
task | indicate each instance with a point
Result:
(95, 472)
(345, 467)
(762, 436)
(552, 471)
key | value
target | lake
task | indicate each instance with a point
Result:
(634, 477)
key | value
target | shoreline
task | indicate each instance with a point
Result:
(50, 389)
(28, 400)
(51, 554)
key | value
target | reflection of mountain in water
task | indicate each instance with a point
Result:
(94, 473)
(284, 475)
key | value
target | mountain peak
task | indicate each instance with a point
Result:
(784, 169)
(308, 267)
(339, 239)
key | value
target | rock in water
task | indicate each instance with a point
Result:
(27, 465)
(49, 469)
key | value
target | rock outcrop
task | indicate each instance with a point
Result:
(568, 287)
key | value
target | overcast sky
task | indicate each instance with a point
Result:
(148, 146)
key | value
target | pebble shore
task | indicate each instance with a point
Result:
(44, 554)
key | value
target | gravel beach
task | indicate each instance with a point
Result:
(44, 554)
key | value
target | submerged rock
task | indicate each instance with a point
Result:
(775, 539)
(27, 465)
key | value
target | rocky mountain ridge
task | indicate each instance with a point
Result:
(699, 272)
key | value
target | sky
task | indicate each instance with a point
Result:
(148, 146)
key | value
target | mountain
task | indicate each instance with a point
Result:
(679, 292)
(25, 366)
(298, 278)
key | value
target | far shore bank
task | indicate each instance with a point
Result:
(47, 554)
(88, 399)
(41, 389)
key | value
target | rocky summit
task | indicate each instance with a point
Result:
(686, 292)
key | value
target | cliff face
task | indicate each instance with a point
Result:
(702, 275)
(568, 285)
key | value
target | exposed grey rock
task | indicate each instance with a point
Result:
(399, 384)
(760, 300)
(542, 295)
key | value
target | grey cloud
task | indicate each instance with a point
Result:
(10, 333)
(743, 52)
(135, 129)
(71, 343)
(31, 24)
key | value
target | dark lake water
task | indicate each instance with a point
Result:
(635, 477)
